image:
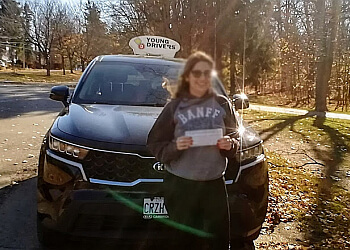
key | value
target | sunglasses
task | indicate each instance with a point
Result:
(199, 73)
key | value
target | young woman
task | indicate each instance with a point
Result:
(195, 194)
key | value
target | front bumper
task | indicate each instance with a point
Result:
(106, 214)
(98, 209)
(85, 207)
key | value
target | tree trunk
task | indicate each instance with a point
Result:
(63, 66)
(233, 86)
(48, 65)
(218, 48)
(325, 50)
(82, 64)
(70, 59)
(40, 66)
(310, 57)
(218, 61)
(70, 64)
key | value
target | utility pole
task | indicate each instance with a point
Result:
(24, 54)
(244, 49)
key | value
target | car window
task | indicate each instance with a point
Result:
(127, 83)
(131, 84)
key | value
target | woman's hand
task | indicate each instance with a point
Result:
(227, 143)
(183, 142)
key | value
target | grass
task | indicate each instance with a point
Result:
(314, 191)
(38, 75)
(287, 101)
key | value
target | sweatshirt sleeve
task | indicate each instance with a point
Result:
(160, 140)
(230, 125)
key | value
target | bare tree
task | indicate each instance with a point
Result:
(73, 39)
(42, 35)
(62, 29)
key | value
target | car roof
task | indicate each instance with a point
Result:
(140, 59)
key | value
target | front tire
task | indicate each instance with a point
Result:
(47, 237)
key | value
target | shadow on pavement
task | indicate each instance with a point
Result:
(17, 217)
(18, 100)
(332, 161)
(18, 224)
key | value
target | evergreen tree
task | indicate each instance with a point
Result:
(94, 34)
(10, 27)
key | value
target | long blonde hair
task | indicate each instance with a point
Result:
(193, 59)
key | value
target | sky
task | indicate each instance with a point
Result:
(75, 5)
(69, 2)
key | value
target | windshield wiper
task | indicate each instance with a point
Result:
(108, 103)
(148, 104)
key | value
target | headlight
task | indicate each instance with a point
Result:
(68, 149)
(249, 153)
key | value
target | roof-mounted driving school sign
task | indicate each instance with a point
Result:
(154, 45)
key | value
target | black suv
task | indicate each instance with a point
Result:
(97, 179)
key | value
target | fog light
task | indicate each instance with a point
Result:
(54, 175)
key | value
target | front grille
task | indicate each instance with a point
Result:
(118, 167)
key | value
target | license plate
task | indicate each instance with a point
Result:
(154, 208)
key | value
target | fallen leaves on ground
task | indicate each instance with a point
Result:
(298, 195)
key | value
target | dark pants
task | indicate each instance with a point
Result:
(200, 210)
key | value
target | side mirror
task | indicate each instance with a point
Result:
(60, 93)
(240, 101)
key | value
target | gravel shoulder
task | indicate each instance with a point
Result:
(21, 138)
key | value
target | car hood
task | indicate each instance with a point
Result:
(122, 124)
(109, 123)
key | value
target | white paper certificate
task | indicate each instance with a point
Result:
(205, 137)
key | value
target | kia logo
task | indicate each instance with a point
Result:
(158, 166)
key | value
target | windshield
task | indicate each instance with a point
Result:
(128, 83)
